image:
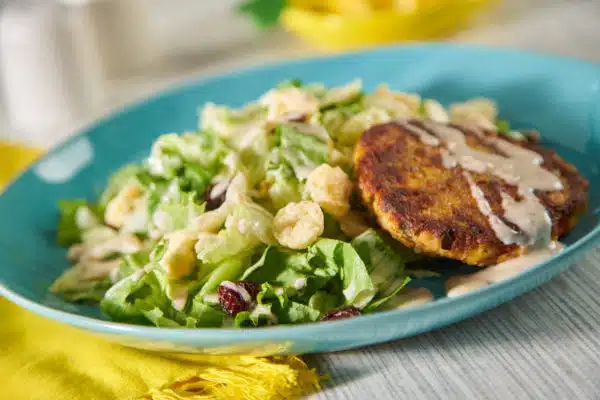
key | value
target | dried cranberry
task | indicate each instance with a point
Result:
(232, 296)
(252, 288)
(214, 201)
(341, 313)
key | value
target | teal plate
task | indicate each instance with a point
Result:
(558, 96)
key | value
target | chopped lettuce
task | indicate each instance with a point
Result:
(195, 179)
(270, 264)
(76, 285)
(354, 126)
(228, 270)
(140, 292)
(358, 288)
(302, 150)
(343, 95)
(384, 264)
(297, 313)
(133, 262)
(379, 301)
(247, 226)
(213, 248)
(284, 188)
(274, 307)
(205, 316)
(176, 213)
(224, 120)
(171, 153)
(69, 232)
(117, 181)
(324, 301)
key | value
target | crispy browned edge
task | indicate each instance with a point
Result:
(430, 208)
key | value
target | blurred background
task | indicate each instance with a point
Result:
(64, 62)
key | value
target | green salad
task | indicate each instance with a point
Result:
(252, 220)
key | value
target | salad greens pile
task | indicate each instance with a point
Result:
(261, 194)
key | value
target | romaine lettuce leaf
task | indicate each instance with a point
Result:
(176, 213)
(228, 270)
(324, 301)
(195, 179)
(382, 262)
(158, 318)
(68, 232)
(274, 306)
(379, 301)
(260, 315)
(133, 262)
(250, 219)
(80, 290)
(212, 248)
(172, 152)
(358, 288)
(205, 316)
(116, 182)
(247, 226)
(199, 316)
(86, 280)
(301, 149)
(140, 292)
(284, 188)
(385, 264)
(296, 313)
(342, 95)
(268, 266)
(292, 271)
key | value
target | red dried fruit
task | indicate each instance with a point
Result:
(252, 288)
(215, 197)
(238, 296)
(341, 313)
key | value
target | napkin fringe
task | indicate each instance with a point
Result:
(269, 378)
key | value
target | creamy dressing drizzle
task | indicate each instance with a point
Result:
(503, 232)
(459, 285)
(410, 297)
(422, 134)
(520, 166)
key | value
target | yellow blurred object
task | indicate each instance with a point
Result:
(345, 7)
(385, 21)
(13, 158)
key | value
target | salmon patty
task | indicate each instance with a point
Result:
(429, 205)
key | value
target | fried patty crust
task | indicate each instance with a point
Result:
(430, 208)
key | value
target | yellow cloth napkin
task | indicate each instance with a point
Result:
(44, 360)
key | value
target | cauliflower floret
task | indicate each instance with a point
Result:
(330, 188)
(298, 225)
(123, 204)
(481, 112)
(179, 258)
(435, 111)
